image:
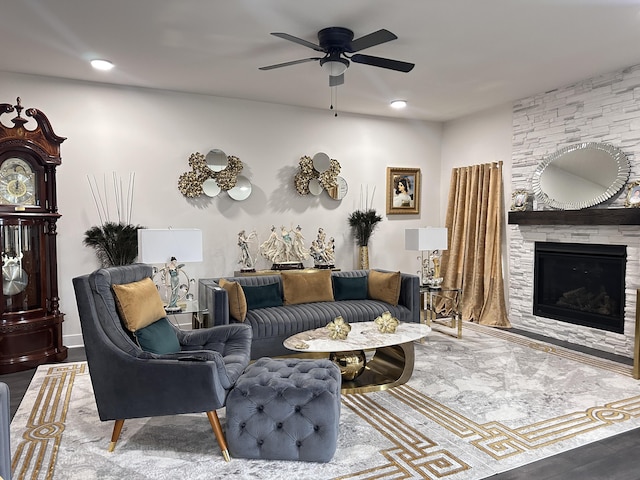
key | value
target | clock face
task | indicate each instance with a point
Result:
(17, 183)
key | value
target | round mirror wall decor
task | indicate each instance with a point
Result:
(210, 187)
(580, 176)
(320, 173)
(314, 187)
(321, 162)
(213, 173)
(216, 160)
(339, 191)
(242, 189)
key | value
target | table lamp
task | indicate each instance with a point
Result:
(432, 240)
(170, 246)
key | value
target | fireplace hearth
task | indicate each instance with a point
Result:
(582, 284)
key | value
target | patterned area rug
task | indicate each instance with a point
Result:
(475, 406)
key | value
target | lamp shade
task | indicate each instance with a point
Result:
(159, 245)
(427, 238)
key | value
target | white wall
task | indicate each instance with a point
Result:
(152, 133)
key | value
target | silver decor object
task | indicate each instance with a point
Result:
(580, 176)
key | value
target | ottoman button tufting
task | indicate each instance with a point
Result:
(257, 430)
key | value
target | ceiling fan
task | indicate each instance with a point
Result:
(336, 43)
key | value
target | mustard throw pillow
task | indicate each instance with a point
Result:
(237, 300)
(307, 287)
(384, 286)
(139, 303)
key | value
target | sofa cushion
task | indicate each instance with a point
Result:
(384, 286)
(350, 288)
(139, 303)
(159, 337)
(262, 296)
(307, 287)
(237, 299)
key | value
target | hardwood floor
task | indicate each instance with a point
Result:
(615, 458)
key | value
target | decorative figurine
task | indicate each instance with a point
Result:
(285, 249)
(173, 270)
(248, 263)
(323, 252)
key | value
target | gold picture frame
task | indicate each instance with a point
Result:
(633, 195)
(403, 191)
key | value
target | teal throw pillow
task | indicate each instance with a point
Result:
(349, 288)
(159, 337)
(262, 296)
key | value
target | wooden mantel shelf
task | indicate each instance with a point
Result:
(588, 216)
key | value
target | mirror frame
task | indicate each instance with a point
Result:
(622, 164)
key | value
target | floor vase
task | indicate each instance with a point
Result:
(363, 258)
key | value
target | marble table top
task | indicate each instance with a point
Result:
(363, 336)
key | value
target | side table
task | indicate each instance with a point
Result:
(430, 298)
(199, 316)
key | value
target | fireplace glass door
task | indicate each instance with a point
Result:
(581, 284)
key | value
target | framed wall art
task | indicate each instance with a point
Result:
(633, 195)
(403, 191)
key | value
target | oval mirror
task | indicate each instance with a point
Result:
(242, 189)
(315, 187)
(216, 160)
(321, 162)
(340, 190)
(210, 187)
(581, 176)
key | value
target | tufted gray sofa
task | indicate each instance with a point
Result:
(272, 325)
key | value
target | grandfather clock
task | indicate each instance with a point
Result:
(31, 322)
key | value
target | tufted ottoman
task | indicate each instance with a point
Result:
(285, 409)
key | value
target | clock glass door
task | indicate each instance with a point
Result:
(21, 285)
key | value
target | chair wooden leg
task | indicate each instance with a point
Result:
(117, 428)
(217, 429)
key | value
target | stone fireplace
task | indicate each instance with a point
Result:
(599, 109)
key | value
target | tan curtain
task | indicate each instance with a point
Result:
(473, 260)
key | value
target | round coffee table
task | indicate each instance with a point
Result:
(390, 356)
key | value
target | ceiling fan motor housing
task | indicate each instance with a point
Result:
(335, 39)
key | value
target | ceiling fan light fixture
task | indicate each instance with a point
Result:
(335, 66)
(399, 104)
(100, 64)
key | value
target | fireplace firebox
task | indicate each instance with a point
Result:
(580, 283)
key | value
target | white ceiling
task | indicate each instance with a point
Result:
(469, 54)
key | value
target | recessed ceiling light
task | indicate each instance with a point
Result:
(399, 104)
(102, 64)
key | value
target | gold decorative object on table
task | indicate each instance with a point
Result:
(338, 328)
(351, 364)
(387, 323)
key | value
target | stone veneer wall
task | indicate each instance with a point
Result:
(600, 109)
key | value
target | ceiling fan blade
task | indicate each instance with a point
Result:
(375, 38)
(299, 41)
(335, 81)
(286, 64)
(382, 62)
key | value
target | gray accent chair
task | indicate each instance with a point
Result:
(131, 383)
(5, 423)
